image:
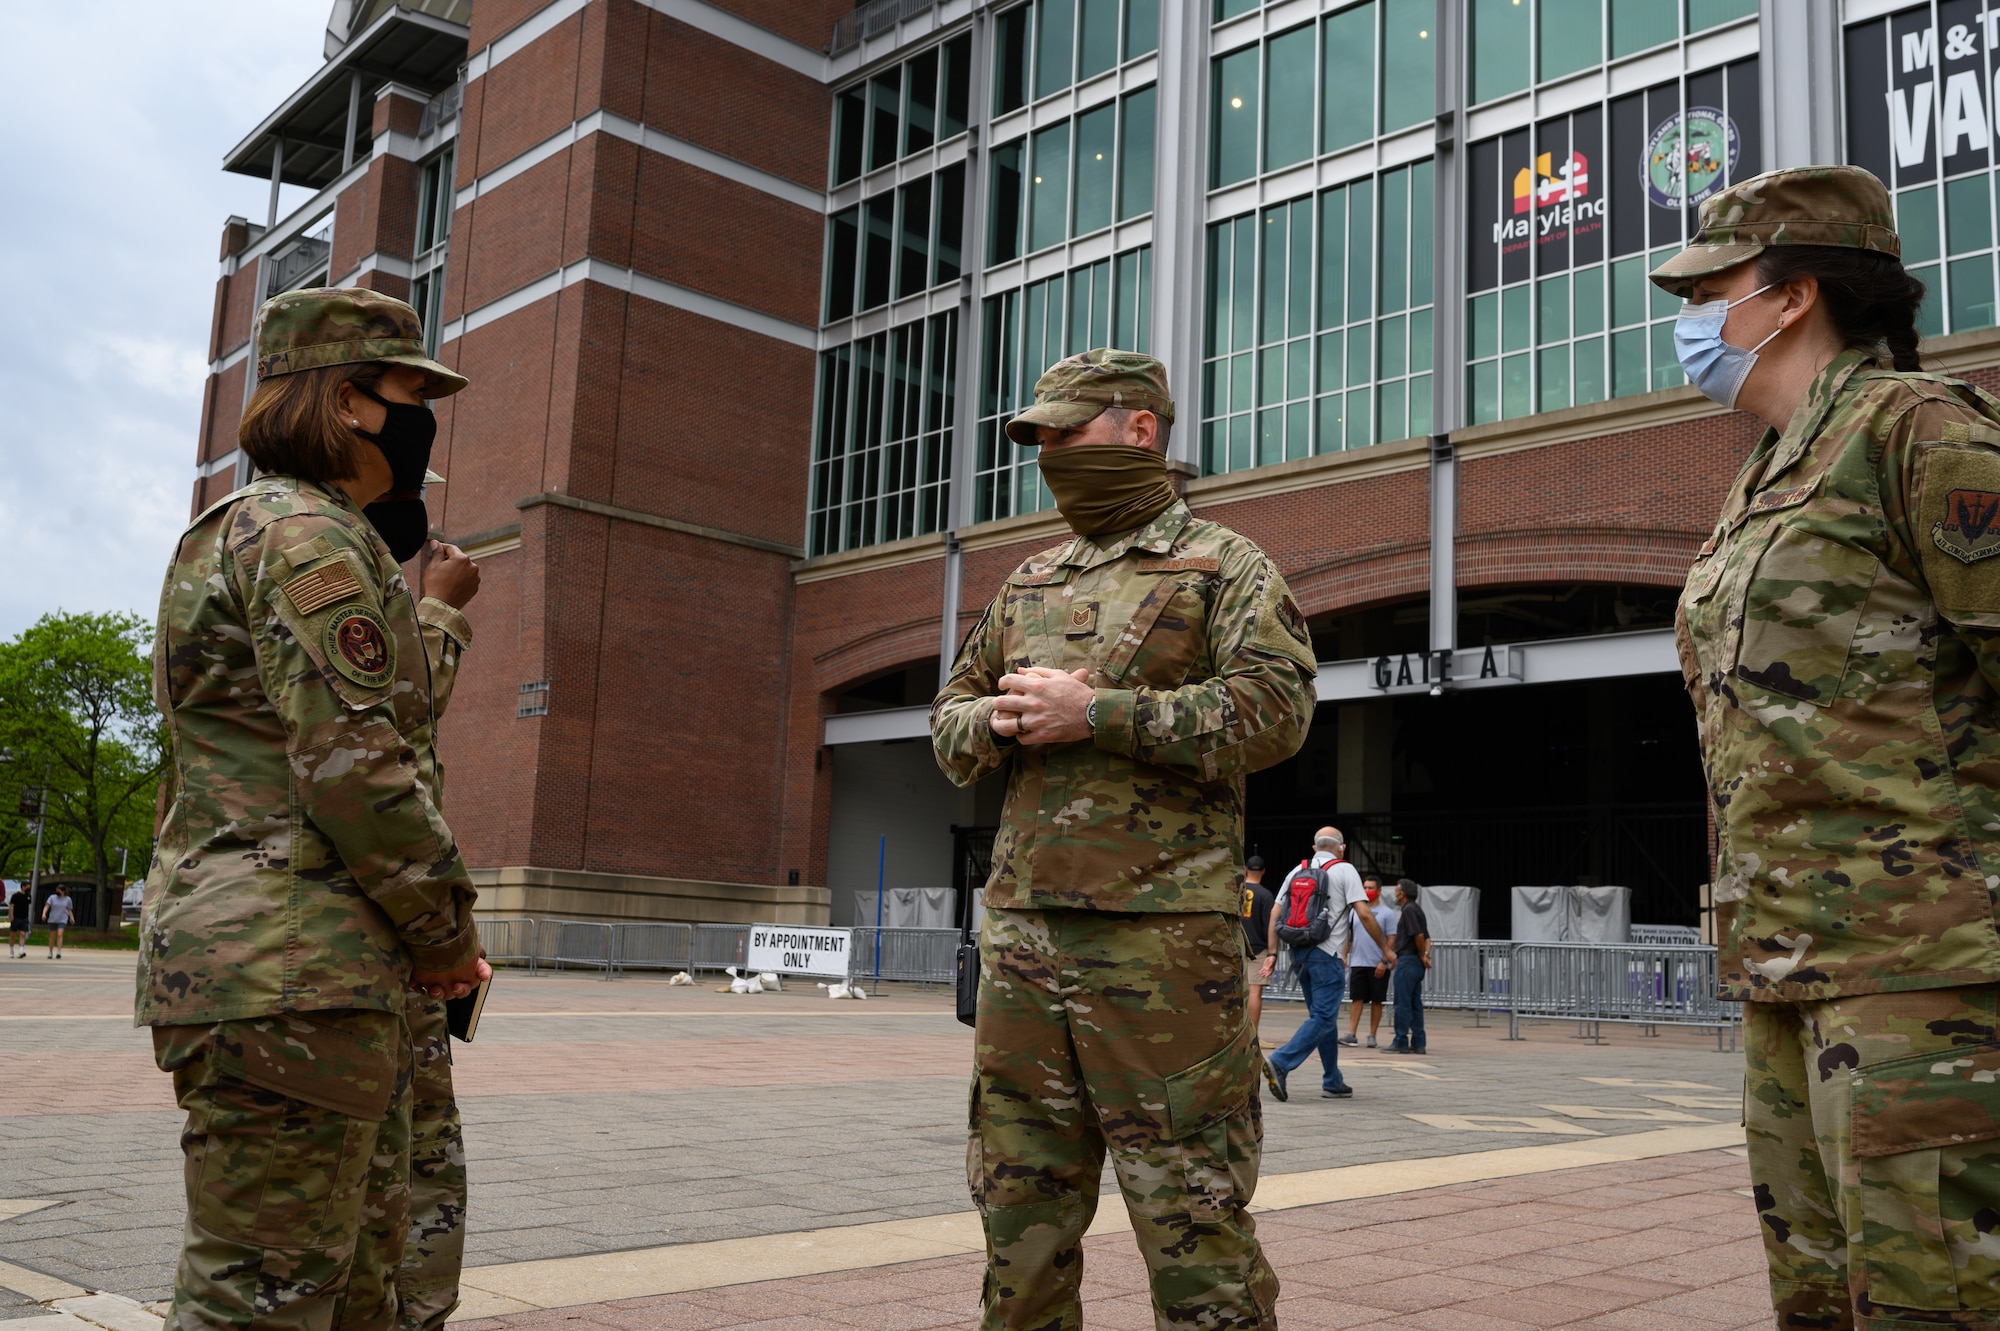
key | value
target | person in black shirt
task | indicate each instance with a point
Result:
(1256, 911)
(1412, 951)
(20, 919)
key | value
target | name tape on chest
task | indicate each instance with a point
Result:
(322, 586)
(1179, 564)
(1772, 500)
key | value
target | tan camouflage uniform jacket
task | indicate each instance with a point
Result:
(1204, 672)
(1840, 637)
(303, 863)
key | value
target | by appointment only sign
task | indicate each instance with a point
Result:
(791, 950)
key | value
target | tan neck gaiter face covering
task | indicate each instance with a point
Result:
(1104, 488)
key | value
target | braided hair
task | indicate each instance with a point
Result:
(1872, 298)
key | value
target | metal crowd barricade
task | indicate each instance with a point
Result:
(1469, 974)
(1648, 985)
(566, 943)
(508, 942)
(918, 956)
(720, 945)
(656, 946)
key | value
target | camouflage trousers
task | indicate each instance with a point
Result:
(1874, 1131)
(427, 1281)
(1121, 1031)
(296, 1150)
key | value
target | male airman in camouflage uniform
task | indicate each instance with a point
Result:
(1840, 635)
(1129, 679)
(303, 874)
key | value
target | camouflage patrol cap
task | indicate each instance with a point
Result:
(1072, 392)
(1801, 205)
(319, 326)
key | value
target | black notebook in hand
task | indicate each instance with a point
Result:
(461, 1015)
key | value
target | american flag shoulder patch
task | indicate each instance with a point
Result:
(322, 586)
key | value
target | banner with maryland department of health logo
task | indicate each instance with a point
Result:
(1921, 93)
(1620, 177)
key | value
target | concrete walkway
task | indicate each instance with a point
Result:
(678, 1150)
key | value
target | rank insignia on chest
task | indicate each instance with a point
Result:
(1082, 620)
(358, 646)
(1969, 531)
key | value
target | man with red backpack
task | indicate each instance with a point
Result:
(1315, 915)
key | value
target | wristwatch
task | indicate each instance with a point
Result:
(1090, 716)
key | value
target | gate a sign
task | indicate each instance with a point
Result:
(1921, 95)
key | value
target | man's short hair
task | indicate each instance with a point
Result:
(1327, 843)
(1163, 432)
(1409, 887)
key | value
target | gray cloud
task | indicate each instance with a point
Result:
(120, 113)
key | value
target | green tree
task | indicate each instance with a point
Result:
(76, 703)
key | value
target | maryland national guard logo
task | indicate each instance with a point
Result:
(358, 646)
(1969, 531)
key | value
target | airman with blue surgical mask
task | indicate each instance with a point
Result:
(1840, 636)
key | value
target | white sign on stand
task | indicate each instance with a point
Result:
(790, 949)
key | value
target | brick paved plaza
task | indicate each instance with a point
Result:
(655, 1157)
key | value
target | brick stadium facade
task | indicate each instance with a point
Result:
(645, 229)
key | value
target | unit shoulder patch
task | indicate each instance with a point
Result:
(321, 587)
(1969, 531)
(358, 645)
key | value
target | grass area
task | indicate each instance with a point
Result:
(126, 940)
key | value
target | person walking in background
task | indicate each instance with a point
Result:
(1313, 915)
(1256, 930)
(57, 912)
(1368, 967)
(1411, 951)
(20, 919)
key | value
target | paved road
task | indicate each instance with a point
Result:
(607, 1116)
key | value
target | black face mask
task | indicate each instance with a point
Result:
(405, 439)
(404, 525)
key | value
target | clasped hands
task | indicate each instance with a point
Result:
(1038, 705)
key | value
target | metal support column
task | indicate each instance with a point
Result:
(1179, 197)
(277, 175)
(1801, 110)
(1448, 326)
(353, 121)
(972, 261)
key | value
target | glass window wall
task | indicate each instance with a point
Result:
(1026, 330)
(882, 453)
(1072, 178)
(1317, 333)
(902, 110)
(1046, 46)
(1325, 86)
(1563, 221)
(1920, 92)
(1514, 43)
(895, 243)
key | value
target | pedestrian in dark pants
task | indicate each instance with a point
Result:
(1413, 960)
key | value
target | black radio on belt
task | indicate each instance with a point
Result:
(968, 983)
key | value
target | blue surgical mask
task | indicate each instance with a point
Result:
(1716, 367)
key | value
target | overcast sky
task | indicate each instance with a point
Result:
(119, 113)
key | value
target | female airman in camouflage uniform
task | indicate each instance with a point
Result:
(1840, 635)
(304, 878)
